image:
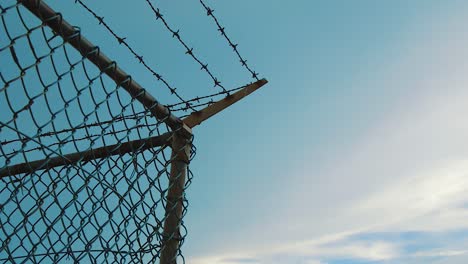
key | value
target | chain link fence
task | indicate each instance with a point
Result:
(92, 168)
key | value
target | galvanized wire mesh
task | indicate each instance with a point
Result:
(99, 208)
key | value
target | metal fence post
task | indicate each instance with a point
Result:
(181, 148)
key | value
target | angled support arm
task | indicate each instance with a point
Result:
(198, 117)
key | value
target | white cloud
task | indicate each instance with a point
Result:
(373, 250)
(312, 252)
(443, 253)
(434, 198)
(313, 262)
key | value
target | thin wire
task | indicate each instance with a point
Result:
(187, 103)
(138, 115)
(188, 50)
(222, 30)
(139, 57)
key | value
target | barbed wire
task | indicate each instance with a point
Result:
(74, 139)
(227, 92)
(139, 57)
(222, 30)
(159, 16)
(188, 50)
(187, 103)
(136, 116)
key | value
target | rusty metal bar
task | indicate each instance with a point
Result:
(181, 148)
(198, 117)
(98, 153)
(88, 50)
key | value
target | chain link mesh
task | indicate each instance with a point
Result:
(109, 208)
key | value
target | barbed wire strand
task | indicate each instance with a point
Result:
(122, 41)
(137, 115)
(222, 30)
(188, 50)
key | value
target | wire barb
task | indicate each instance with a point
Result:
(222, 30)
(176, 34)
(123, 41)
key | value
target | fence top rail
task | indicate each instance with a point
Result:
(87, 49)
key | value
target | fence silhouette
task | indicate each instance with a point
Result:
(92, 167)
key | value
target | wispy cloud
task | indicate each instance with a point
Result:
(240, 260)
(353, 248)
(397, 222)
(430, 201)
(314, 251)
(442, 253)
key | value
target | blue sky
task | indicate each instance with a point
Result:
(356, 150)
